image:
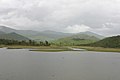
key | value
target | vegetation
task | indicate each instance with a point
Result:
(23, 42)
(101, 49)
(110, 42)
(51, 50)
(75, 40)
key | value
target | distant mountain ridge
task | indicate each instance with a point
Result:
(77, 39)
(1, 32)
(92, 34)
(44, 35)
(13, 36)
(52, 35)
(7, 29)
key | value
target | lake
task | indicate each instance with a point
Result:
(22, 64)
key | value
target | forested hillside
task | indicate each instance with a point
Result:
(75, 40)
(110, 42)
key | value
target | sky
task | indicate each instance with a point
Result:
(69, 16)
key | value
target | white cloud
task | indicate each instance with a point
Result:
(77, 28)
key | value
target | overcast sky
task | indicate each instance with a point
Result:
(101, 16)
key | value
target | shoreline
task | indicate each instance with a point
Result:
(61, 48)
(98, 49)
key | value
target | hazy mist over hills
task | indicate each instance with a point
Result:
(44, 35)
(13, 36)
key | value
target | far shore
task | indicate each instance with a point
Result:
(54, 48)
(99, 49)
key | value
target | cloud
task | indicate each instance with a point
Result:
(77, 28)
(108, 28)
(62, 15)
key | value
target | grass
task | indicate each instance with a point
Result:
(61, 48)
(1, 46)
(51, 50)
(100, 49)
(39, 48)
(31, 47)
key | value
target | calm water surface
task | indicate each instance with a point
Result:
(25, 65)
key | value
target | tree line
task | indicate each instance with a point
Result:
(24, 42)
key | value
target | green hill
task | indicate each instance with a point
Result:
(110, 42)
(77, 39)
(13, 36)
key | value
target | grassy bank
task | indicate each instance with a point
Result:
(1, 46)
(61, 48)
(101, 49)
(38, 48)
(51, 50)
(30, 47)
